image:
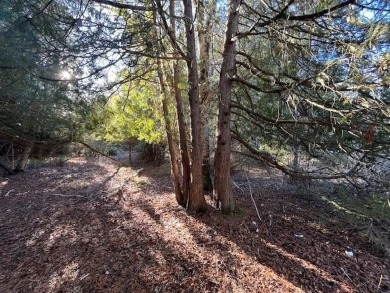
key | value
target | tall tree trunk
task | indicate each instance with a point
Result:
(223, 192)
(24, 157)
(206, 160)
(172, 147)
(185, 159)
(196, 201)
(205, 12)
(171, 143)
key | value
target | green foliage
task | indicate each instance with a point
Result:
(368, 212)
(319, 87)
(371, 205)
(134, 112)
(314, 76)
(31, 105)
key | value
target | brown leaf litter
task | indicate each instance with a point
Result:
(91, 227)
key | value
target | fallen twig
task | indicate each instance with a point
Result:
(136, 174)
(251, 194)
(8, 193)
(346, 274)
(380, 282)
(242, 190)
(84, 276)
(70, 195)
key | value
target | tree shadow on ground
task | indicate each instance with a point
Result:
(83, 229)
(77, 244)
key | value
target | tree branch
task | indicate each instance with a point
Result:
(268, 159)
(317, 14)
(283, 15)
(98, 152)
(123, 5)
(169, 30)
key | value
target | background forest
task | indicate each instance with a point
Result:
(299, 86)
(286, 101)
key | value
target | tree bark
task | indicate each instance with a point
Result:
(185, 159)
(196, 201)
(206, 160)
(171, 143)
(24, 158)
(205, 11)
(223, 193)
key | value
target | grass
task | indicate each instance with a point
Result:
(369, 213)
(362, 206)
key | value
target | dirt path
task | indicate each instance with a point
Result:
(90, 227)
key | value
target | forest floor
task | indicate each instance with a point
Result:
(89, 226)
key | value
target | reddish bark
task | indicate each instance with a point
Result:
(171, 142)
(223, 193)
(196, 201)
